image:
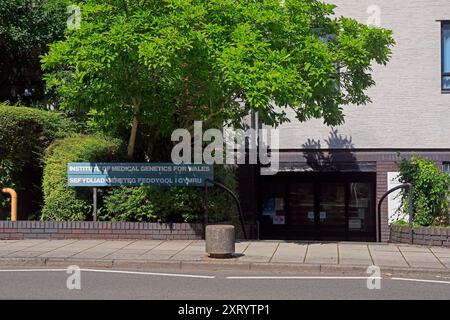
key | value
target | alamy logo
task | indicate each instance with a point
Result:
(74, 20)
(74, 280)
(374, 280)
(230, 146)
(375, 16)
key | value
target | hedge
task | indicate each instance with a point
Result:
(144, 203)
(24, 135)
(178, 204)
(67, 203)
(430, 191)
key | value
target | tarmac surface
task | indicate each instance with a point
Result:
(208, 285)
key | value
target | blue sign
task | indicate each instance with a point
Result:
(110, 174)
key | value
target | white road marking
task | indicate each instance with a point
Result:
(421, 280)
(152, 273)
(301, 278)
(115, 271)
(32, 270)
(181, 275)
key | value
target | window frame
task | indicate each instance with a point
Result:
(444, 23)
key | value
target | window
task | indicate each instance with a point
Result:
(446, 167)
(446, 56)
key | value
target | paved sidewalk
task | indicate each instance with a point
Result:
(266, 255)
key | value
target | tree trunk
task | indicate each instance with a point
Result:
(132, 141)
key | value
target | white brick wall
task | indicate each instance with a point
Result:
(408, 109)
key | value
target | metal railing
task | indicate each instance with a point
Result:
(408, 186)
(233, 195)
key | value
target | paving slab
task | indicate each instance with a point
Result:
(172, 245)
(114, 244)
(29, 242)
(189, 256)
(40, 249)
(383, 247)
(134, 250)
(143, 244)
(89, 242)
(259, 251)
(72, 249)
(443, 252)
(445, 261)
(94, 253)
(25, 244)
(24, 254)
(5, 253)
(422, 259)
(388, 258)
(81, 245)
(158, 255)
(358, 255)
(326, 253)
(17, 247)
(423, 249)
(51, 245)
(126, 254)
(352, 247)
(193, 252)
(4, 243)
(58, 254)
(194, 245)
(241, 246)
(290, 253)
(96, 249)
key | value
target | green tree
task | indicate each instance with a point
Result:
(26, 28)
(166, 63)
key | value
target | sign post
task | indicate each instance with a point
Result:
(94, 196)
(111, 174)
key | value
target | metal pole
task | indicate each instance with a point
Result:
(447, 220)
(1, 206)
(236, 199)
(411, 213)
(94, 195)
(205, 217)
(13, 194)
(411, 231)
(257, 229)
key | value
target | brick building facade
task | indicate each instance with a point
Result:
(331, 179)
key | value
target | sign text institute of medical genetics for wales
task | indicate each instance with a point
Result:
(107, 174)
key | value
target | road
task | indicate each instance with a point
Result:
(116, 284)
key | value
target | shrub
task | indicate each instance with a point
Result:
(68, 203)
(24, 135)
(180, 204)
(431, 190)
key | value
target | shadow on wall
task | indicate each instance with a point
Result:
(337, 155)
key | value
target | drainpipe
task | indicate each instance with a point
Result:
(13, 195)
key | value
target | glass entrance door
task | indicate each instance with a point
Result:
(361, 213)
(319, 207)
(332, 208)
(302, 213)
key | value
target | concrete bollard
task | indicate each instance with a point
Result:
(220, 240)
